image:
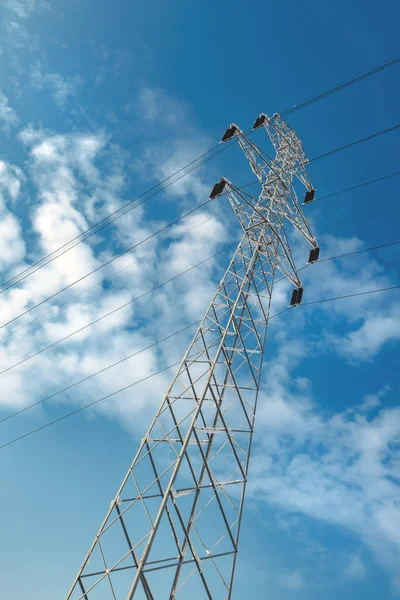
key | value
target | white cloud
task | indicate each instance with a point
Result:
(10, 180)
(172, 141)
(12, 247)
(375, 333)
(355, 569)
(63, 170)
(8, 116)
(292, 581)
(79, 178)
(357, 328)
(342, 469)
(23, 8)
(62, 88)
(18, 40)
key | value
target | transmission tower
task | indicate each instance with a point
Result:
(172, 530)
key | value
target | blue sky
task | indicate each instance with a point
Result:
(98, 102)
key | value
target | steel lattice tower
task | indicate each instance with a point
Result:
(172, 530)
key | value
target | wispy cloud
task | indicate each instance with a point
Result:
(291, 581)
(341, 469)
(355, 569)
(23, 8)
(61, 88)
(20, 45)
(12, 247)
(172, 141)
(79, 178)
(376, 331)
(8, 116)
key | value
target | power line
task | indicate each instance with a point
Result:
(358, 251)
(114, 274)
(176, 333)
(343, 85)
(360, 185)
(340, 148)
(149, 237)
(321, 260)
(362, 140)
(346, 254)
(86, 406)
(386, 289)
(78, 410)
(103, 370)
(74, 412)
(91, 230)
(106, 221)
(52, 345)
(335, 150)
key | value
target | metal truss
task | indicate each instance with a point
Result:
(172, 530)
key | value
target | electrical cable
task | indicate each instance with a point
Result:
(176, 333)
(149, 237)
(82, 408)
(158, 286)
(81, 239)
(118, 362)
(107, 279)
(346, 83)
(106, 221)
(321, 260)
(335, 150)
(13, 283)
(356, 187)
(78, 410)
(256, 181)
(386, 289)
(362, 140)
(357, 252)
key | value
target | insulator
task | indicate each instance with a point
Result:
(229, 133)
(217, 189)
(260, 121)
(314, 254)
(309, 197)
(297, 295)
(293, 300)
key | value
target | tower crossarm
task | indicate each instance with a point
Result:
(287, 144)
(257, 216)
(276, 175)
